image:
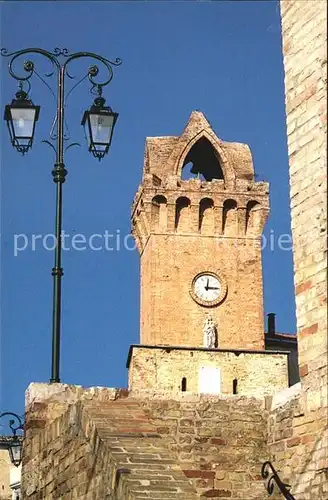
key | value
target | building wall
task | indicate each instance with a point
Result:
(168, 266)
(163, 370)
(305, 61)
(5, 466)
(15, 482)
(277, 344)
(297, 427)
(297, 439)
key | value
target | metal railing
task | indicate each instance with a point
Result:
(269, 472)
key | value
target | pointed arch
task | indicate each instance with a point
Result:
(228, 173)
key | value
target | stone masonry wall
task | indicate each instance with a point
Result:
(297, 428)
(115, 445)
(163, 370)
(297, 439)
(220, 442)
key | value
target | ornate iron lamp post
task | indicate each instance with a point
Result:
(21, 116)
(14, 443)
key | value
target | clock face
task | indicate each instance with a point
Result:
(207, 289)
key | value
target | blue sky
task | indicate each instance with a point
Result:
(223, 58)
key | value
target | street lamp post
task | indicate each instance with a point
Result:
(99, 121)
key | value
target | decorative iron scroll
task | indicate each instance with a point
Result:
(274, 479)
(15, 423)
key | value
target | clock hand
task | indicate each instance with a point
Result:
(207, 287)
(212, 288)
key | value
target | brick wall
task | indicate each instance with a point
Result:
(297, 439)
(169, 315)
(305, 61)
(164, 369)
(297, 427)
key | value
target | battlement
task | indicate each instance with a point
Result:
(200, 208)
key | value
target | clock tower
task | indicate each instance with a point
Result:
(198, 218)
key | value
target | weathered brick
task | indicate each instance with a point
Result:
(214, 493)
(309, 330)
(304, 370)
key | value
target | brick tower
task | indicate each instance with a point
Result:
(200, 243)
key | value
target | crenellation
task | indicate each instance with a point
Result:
(155, 203)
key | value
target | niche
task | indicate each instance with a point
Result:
(235, 386)
(230, 218)
(253, 218)
(182, 214)
(206, 216)
(183, 384)
(159, 213)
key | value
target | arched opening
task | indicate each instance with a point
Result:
(202, 162)
(235, 386)
(182, 214)
(159, 213)
(206, 216)
(253, 217)
(183, 384)
(229, 219)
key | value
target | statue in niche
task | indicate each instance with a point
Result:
(210, 333)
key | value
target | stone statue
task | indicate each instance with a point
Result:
(209, 333)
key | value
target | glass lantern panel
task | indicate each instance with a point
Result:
(24, 141)
(87, 132)
(23, 121)
(15, 452)
(101, 128)
(101, 147)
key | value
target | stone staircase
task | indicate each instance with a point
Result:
(137, 446)
(210, 448)
(146, 466)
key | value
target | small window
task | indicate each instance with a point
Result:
(235, 386)
(184, 384)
